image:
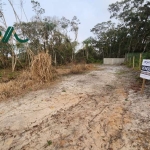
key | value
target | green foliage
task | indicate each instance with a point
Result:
(129, 59)
(36, 8)
(49, 143)
(46, 34)
(132, 34)
(52, 35)
(91, 60)
(146, 56)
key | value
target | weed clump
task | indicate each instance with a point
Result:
(41, 68)
(41, 71)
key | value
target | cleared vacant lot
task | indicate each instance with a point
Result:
(99, 110)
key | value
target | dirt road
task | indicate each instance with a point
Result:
(93, 111)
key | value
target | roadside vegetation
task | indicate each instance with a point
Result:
(40, 75)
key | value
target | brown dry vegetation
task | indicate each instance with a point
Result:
(41, 68)
(79, 68)
(40, 73)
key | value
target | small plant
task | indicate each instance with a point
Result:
(49, 143)
(63, 90)
(110, 87)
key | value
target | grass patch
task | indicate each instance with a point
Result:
(39, 73)
(7, 75)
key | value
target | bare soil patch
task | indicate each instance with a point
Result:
(98, 110)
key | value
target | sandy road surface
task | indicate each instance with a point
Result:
(92, 111)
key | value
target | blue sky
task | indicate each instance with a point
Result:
(89, 12)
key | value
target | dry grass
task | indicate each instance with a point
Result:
(75, 69)
(41, 68)
(41, 71)
(15, 87)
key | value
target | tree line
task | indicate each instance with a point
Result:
(46, 34)
(130, 35)
(49, 34)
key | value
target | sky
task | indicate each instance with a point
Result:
(89, 12)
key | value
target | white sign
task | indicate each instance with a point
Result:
(145, 71)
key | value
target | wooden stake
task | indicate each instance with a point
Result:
(133, 61)
(143, 86)
(140, 60)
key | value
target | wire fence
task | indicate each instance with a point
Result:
(134, 60)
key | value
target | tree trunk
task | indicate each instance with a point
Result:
(129, 48)
(119, 51)
(55, 61)
(14, 61)
(72, 54)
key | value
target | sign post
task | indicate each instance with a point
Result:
(145, 72)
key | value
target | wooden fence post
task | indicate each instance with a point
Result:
(143, 86)
(140, 61)
(133, 62)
